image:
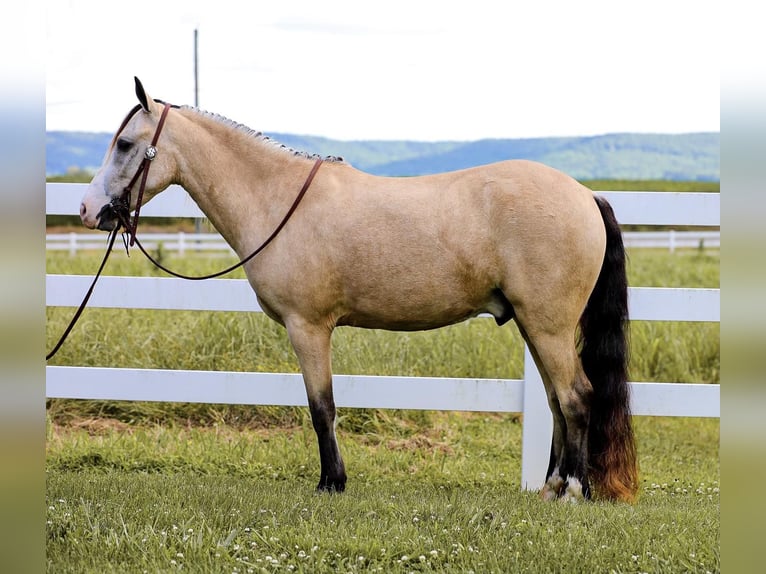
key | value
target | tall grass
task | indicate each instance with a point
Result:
(668, 352)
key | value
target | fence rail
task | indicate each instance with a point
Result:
(631, 207)
(182, 242)
(525, 395)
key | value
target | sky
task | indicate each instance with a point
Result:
(400, 69)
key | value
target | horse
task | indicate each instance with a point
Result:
(516, 239)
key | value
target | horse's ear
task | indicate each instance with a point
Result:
(141, 94)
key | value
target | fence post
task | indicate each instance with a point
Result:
(537, 429)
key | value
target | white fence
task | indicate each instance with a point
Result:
(179, 242)
(182, 242)
(525, 395)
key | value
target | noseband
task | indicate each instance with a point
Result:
(119, 208)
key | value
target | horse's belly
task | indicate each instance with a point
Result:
(419, 315)
(402, 321)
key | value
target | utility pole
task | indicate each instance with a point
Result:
(196, 69)
(198, 221)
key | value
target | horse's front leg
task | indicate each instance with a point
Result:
(312, 346)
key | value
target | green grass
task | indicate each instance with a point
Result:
(668, 352)
(652, 185)
(160, 499)
(162, 487)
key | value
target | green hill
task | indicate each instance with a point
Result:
(688, 157)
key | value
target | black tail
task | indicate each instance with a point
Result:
(604, 354)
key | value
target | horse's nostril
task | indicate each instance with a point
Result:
(83, 210)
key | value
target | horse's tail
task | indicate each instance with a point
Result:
(604, 353)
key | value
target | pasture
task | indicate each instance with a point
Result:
(135, 487)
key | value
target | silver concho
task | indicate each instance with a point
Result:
(151, 152)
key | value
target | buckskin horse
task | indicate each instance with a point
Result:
(514, 239)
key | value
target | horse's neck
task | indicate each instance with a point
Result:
(238, 182)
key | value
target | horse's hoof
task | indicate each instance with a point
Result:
(548, 493)
(552, 487)
(331, 486)
(574, 492)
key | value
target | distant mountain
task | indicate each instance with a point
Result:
(689, 157)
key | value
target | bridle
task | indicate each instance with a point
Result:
(119, 209)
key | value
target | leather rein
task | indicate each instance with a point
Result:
(119, 208)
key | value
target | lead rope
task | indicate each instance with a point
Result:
(263, 245)
(81, 308)
(131, 231)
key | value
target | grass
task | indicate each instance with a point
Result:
(669, 352)
(150, 487)
(650, 185)
(159, 499)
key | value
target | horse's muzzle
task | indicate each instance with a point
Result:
(112, 215)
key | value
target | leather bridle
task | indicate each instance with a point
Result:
(119, 208)
(143, 171)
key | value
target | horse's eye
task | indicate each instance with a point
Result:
(124, 145)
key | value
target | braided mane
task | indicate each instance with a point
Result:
(258, 135)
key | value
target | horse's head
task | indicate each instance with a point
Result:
(106, 195)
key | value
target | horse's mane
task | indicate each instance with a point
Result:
(260, 136)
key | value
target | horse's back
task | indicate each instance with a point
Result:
(422, 252)
(485, 213)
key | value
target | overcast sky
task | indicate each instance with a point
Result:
(400, 69)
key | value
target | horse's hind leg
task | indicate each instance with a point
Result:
(569, 394)
(553, 481)
(313, 348)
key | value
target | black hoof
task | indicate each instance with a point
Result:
(329, 485)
